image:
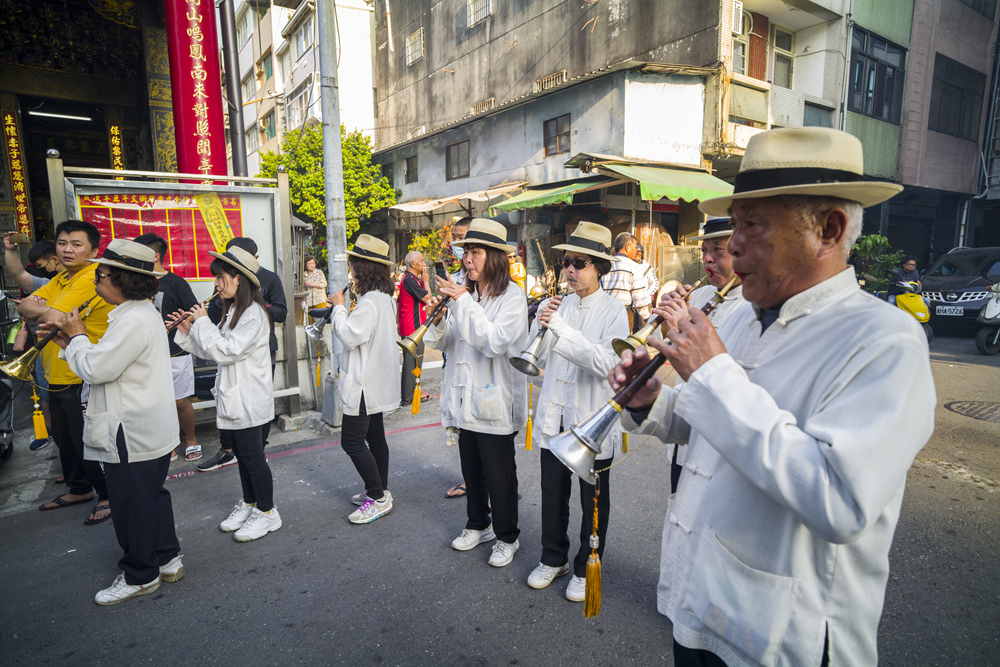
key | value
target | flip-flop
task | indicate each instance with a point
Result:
(60, 503)
(456, 491)
(98, 508)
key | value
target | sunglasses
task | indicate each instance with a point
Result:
(98, 275)
(578, 264)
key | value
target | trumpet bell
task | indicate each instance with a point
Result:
(578, 447)
(315, 330)
(20, 368)
(621, 344)
(527, 364)
(409, 345)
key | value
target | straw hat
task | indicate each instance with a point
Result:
(804, 161)
(241, 260)
(714, 228)
(130, 256)
(590, 239)
(370, 248)
(488, 233)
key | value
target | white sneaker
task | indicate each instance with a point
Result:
(577, 589)
(503, 553)
(172, 571)
(241, 512)
(121, 591)
(258, 525)
(371, 509)
(470, 539)
(359, 498)
(543, 575)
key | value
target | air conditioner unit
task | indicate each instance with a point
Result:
(737, 17)
(262, 125)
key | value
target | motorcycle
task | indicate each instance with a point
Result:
(912, 302)
(988, 338)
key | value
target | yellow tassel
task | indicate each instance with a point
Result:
(624, 443)
(38, 419)
(592, 591)
(415, 406)
(531, 412)
(319, 363)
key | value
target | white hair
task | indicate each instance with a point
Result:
(809, 208)
(411, 257)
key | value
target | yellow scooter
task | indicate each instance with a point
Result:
(912, 302)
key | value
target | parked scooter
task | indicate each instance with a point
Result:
(988, 338)
(912, 302)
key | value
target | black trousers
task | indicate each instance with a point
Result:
(691, 657)
(255, 474)
(490, 475)
(557, 484)
(143, 514)
(407, 382)
(67, 430)
(371, 460)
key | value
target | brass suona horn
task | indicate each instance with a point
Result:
(527, 361)
(578, 447)
(20, 368)
(640, 337)
(315, 330)
(411, 342)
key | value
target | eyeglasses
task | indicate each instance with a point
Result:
(98, 275)
(578, 264)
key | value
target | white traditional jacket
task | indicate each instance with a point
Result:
(131, 385)
(800, 440)
(244, 388)
(577, 356)
(486, 394)
(369, 362)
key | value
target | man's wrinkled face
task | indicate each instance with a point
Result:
(717, 261)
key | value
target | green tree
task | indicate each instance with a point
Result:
(435, 245)
(874, 258)
(365, 190)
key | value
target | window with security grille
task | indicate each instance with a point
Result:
(781, 74)
(741, 44)
(457, 160)
(253, 140)
(268, 126)
(410, 170)
(415, 46)
(479, 10)
(556, 135)
(244, 28)
(249, 89)
(295, 112)
(877, 73)
(303, 38)
(956, 99)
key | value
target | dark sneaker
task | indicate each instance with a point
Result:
(223, 458)
(38, 444)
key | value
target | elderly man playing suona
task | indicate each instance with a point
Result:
(802, 414)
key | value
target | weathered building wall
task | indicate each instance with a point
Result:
(664, 118)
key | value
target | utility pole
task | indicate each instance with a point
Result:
(333, 180)
(231, 62)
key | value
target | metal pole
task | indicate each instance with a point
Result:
(234, 93)
(333, 179)
(57, 186)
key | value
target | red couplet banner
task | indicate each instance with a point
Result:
(196, 86)
(177, 218)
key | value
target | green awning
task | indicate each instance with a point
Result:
(558, 193)
(659, 182)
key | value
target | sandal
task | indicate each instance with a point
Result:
(59, 503)
(91, 521)
(456, 491)
(173, 455)
(192, 453)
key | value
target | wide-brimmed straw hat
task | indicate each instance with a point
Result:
(714, 228)
(488, 233)
(591, 239)
(241, 260)
(804, 161)
(130, 256)
(370, 248)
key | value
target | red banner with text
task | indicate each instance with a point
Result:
(191, 224)
(196, 86)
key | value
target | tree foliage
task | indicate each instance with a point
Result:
(874, 258)
(435, 245)
(365, 190)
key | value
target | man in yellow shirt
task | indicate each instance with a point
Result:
(517, 272)
(76, 242)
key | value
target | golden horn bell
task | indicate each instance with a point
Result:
(20, 368)
(411, 342)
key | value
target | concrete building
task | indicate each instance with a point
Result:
(279, 69)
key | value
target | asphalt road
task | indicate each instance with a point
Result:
(323, 591)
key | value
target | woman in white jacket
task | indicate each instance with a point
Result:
(131, 423)
(487, 323)
(243, 385)
(369, 372)
(577, 356)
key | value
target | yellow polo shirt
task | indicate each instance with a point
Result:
(65, 293)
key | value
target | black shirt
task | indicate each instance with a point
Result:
(175, 294)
